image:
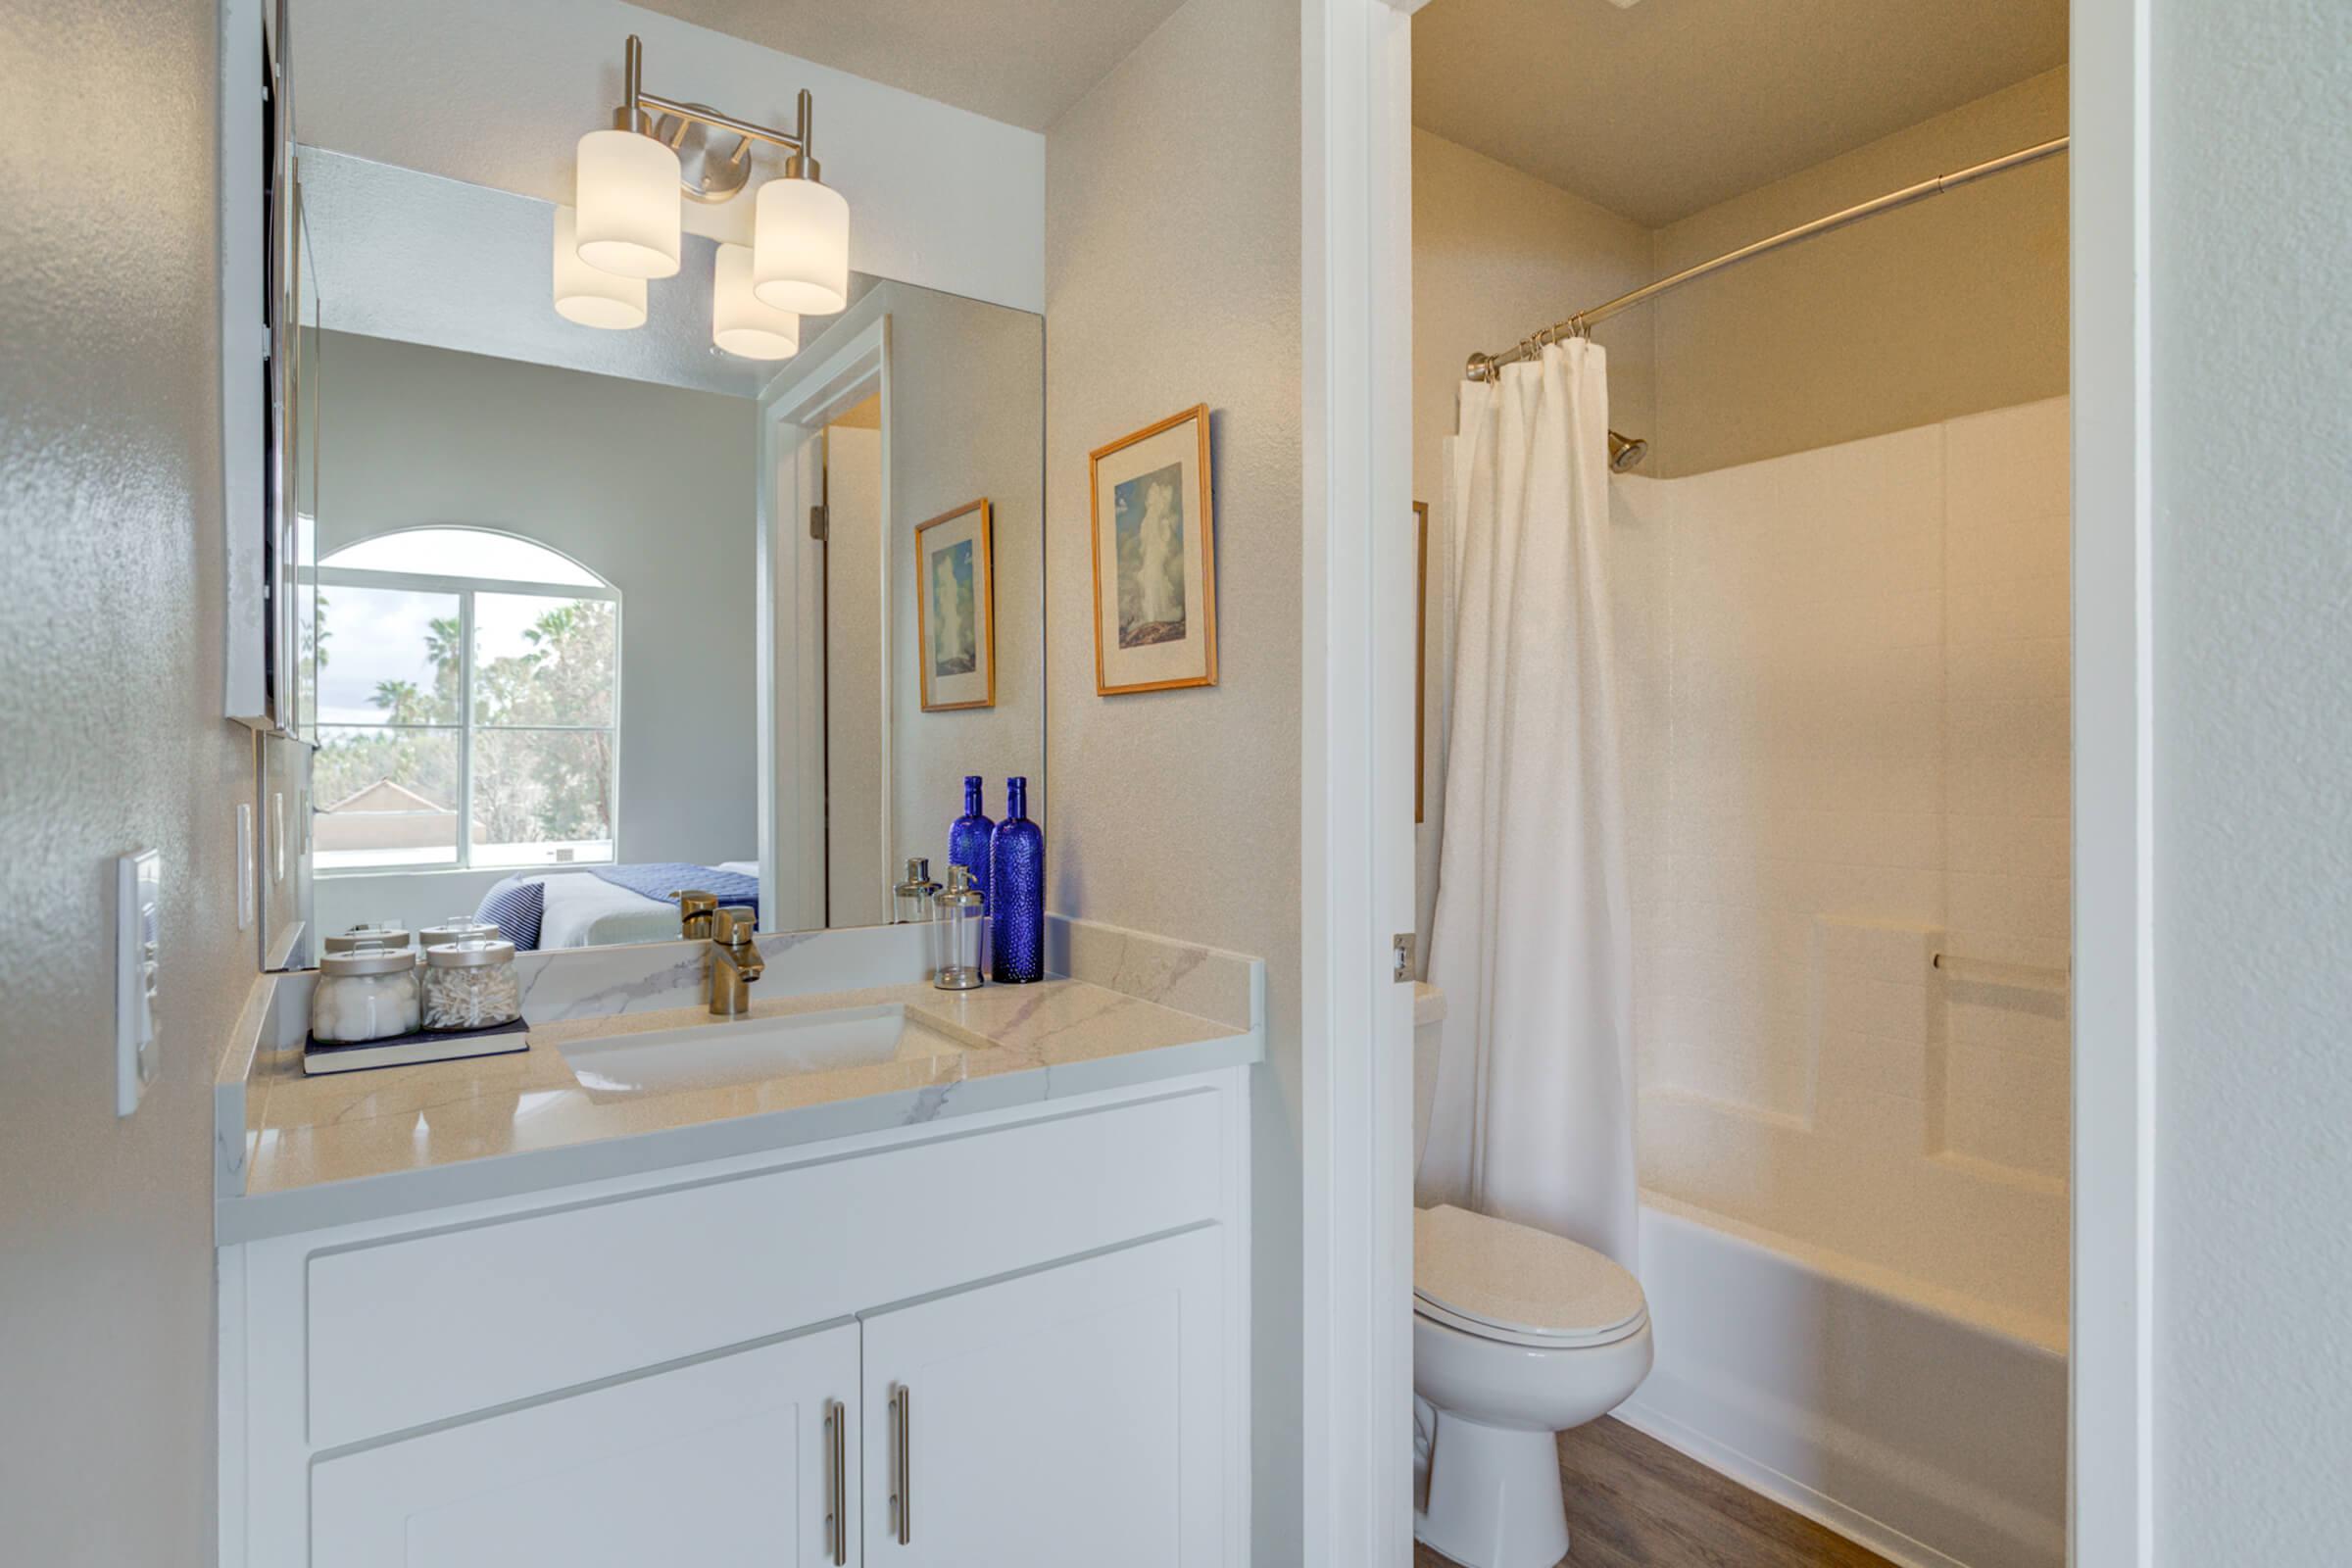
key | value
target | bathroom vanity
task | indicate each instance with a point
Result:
(878, 1273)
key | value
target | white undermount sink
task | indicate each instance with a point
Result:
(709, 1056)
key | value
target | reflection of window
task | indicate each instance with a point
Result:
(467, 707)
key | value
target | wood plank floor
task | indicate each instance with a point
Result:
(1634, 1503)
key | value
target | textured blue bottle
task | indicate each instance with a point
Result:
(968, 836)
(1017, 890)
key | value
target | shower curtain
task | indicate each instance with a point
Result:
(1533, 1118)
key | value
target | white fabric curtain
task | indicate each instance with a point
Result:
(1533, 1118)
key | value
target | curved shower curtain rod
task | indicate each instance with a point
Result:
(1483, 365)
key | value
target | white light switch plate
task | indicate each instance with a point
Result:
(245, 865)
(138, 919)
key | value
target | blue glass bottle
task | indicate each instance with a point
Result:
(968, 836)
(1016, 884)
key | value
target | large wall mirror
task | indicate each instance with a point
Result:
(593, 614)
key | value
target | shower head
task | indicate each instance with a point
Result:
(1626, 455)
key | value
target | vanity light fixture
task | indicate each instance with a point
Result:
(627, 226)
(586, 295)
(743, 323)
(628, 208)
(800, 242)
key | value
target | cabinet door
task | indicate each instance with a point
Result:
(1075, 1416)
(723, 1463)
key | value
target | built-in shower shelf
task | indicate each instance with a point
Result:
(2004, 973)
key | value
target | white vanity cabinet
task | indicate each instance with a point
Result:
(1065, 1419)
(725, 1462)
(1026, 1329)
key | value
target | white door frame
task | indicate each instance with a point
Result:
(794, 410)
(1357, 868)
(1356, 778)
(2111, 1441)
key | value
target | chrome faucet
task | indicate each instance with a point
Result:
(734, 959)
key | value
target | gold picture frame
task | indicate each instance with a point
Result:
(1161, 632)
(955, 602)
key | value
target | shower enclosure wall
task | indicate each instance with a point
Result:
(1845, 706)
(1844, 699)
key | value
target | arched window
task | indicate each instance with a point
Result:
(467, 708)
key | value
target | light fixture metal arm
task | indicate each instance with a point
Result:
(638, 106)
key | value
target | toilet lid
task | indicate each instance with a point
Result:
(1484, 1271)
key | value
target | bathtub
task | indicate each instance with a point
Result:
(1932, 1432)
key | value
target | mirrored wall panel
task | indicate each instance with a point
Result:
(604, 600)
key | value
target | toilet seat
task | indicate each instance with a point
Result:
(1494, 1280)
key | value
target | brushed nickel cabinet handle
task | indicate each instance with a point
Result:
(902, 1409)
(837, 1424)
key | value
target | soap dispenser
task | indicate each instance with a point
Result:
(911, 900)
(957, 950)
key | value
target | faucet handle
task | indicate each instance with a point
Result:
(695, 909)
(733, 924)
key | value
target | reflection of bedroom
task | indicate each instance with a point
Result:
(645, 489)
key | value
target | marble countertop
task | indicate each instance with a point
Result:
(338, 1148)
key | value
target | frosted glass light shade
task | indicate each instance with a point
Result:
(628, 205)
(587, 296)
(740, 322)
(800, 247)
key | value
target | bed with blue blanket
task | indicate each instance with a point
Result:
(603, 906)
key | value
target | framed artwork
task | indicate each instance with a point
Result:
(954, 608)
(1155, 579)
(1420, 652)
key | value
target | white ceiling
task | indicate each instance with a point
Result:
(1022, 62)
(1657, 111)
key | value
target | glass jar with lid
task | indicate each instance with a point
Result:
(471, 985)
(365, 994)
(381, 935)
(458, 928)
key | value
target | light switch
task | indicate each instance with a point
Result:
(138, 919)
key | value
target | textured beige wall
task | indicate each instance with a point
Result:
(1172, 278)
(111, 739)
(1951, 307)
(653, 488)
(1497, 253)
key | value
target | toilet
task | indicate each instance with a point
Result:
(1518, 1335)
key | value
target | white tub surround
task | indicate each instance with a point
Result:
(1919, 1424)
(794, 1318)
(1849, 669)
